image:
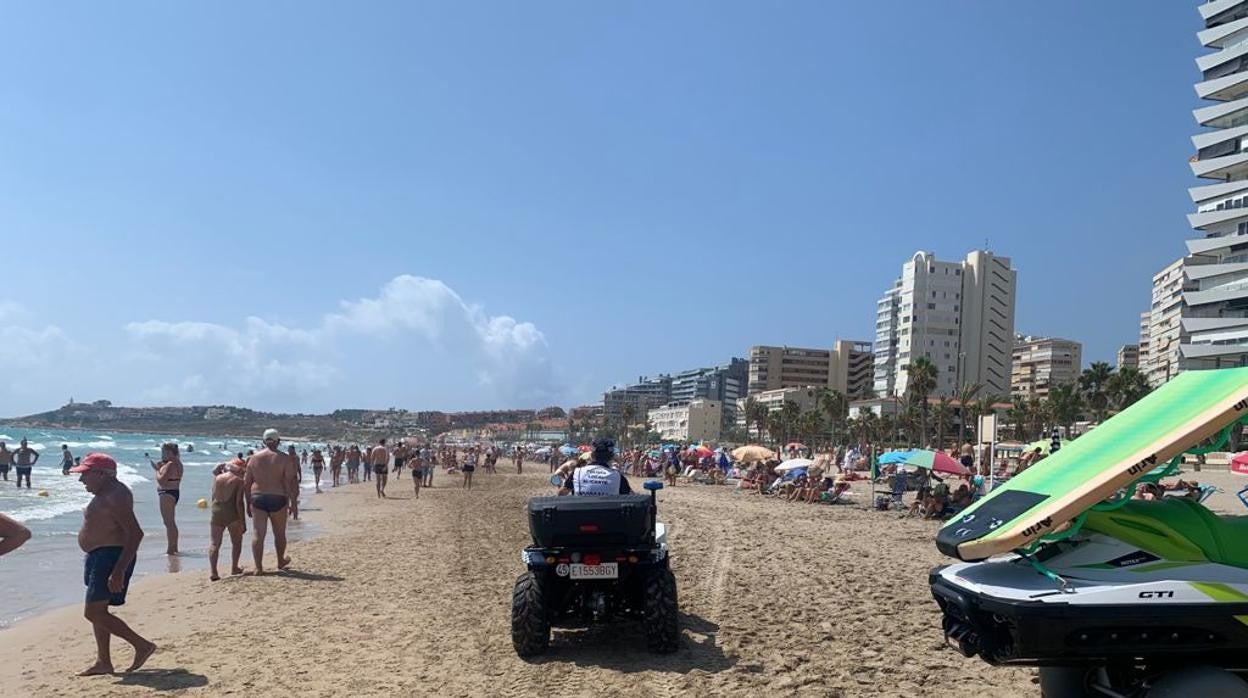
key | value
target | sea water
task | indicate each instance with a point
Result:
(47, 571)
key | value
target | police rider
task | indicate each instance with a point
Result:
(597, 478)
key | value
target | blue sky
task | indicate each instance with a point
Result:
(302, 206)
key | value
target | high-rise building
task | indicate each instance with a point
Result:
(1214, 319)
(721, 384)
(1143, 362)
(1165, 321)
(632, 402)
(1129, 357)
(1040, 363)
(845, 368)
(960, 315)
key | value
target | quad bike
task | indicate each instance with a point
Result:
(595, 560)
(1121, 597)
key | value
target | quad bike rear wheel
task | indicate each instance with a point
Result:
(662, 612)
(530, 619)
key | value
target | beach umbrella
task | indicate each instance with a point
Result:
(892, 457)
(790, 475)
(794, 464)
(543, 451)
(583, 448)
(936, 462)
(794, 444)
(703, 451)
(749, 454)
(654, 453)
(567, 450)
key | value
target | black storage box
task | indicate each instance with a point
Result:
(624, 521)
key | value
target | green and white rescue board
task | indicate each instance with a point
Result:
(1180, 414)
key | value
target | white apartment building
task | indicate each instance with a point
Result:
(1142, 364)
(806, 398)
(700, 420)
(960, 315)
(1214, 314)
(1165, 319)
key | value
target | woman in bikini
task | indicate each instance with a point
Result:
(168, 490)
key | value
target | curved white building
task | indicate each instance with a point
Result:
(1214, 320)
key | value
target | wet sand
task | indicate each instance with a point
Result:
(407, 597)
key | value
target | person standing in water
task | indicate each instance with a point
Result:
(67, 459)
(169, 491)
(24, 458)
(110, 537)
(6, 459)
(271, 484)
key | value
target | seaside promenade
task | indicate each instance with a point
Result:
(411, 597)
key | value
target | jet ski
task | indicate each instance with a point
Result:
(1060, 568)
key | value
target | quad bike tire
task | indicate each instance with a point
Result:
(662, 612)
(530, 619)
(1062, 681)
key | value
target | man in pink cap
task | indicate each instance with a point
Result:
(110, 537)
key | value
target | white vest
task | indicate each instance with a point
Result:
(595, 481)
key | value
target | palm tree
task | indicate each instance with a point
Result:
(835, 405)
(774, 424)
(1126, 387)
(921, 374)
(1065, 404)
(1039, 411)
(965, 395)
(789, 413)
(941, 416)
(1018, 417)
(628, 412)
(1094, 382)
(811, 425)
(756, 414)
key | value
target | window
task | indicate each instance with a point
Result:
(957, 272)
(933, 294)
(955, 308)
(931, 306)
(931, 270)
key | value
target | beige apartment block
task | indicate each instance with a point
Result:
(1129, 356)
(700, 420)
(1040, 363)
(806, 398)
(846, 367)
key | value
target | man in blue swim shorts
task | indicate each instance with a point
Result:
(110, 537)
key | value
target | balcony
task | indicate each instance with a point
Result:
(1223, 115)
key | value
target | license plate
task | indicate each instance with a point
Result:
(607, 570)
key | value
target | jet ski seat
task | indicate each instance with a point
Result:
(1176, 529)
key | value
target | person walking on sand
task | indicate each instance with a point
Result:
(229, 513)
(12, 535)
(24, 458)
(271, 484)
(318, 466)
(110, 537)
(470, 465)
(168, 491)
(336, 456)
(417, 466)
(378, 457)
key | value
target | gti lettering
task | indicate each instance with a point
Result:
(1037, 527)
(1148, 463)
(1156, 594)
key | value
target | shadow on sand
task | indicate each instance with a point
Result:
(163, 679)
(622, 647)
(308, 576)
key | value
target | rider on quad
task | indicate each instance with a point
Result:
(597, 478)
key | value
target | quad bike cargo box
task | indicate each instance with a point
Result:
(625, 521)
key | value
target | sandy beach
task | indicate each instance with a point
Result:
(411, 597)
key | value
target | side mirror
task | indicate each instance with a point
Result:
(556, 481)
(652, 485)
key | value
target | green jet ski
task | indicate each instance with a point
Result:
(1059, 568)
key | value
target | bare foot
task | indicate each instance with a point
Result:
(236, 570)
(284, 564)
(141, 654)
(97, 669)
(214, 577)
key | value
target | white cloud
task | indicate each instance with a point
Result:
(416, 333)
(35, 360)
